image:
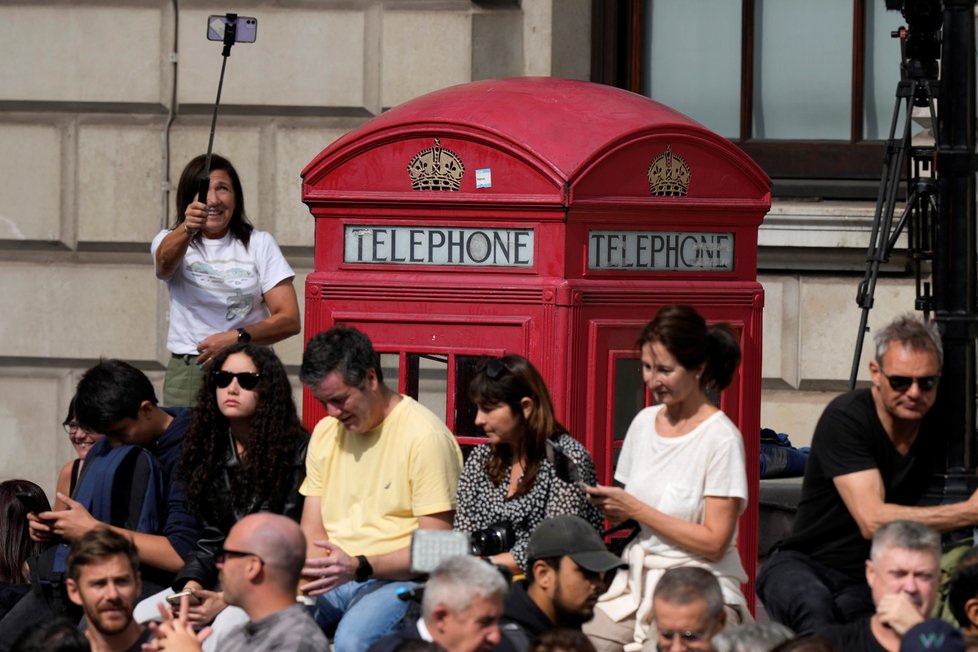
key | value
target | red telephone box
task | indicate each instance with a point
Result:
(545, 217)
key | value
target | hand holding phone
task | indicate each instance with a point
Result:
(174, 599)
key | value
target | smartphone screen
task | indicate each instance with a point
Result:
(245, 29)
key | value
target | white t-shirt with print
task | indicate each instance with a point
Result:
(220, 286)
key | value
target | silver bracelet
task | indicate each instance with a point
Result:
(193, 232)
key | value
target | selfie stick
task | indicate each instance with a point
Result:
(230, 29)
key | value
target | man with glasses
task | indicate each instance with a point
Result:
(261, 564)
(379, 466)
(687, 609)
(871, 460)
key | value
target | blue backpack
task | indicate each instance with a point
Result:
(120, 486)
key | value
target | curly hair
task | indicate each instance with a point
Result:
(506, 381)
(265, 469)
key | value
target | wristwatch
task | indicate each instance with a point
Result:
(364, 569)
(243, 336)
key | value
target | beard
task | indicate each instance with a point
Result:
(109, 623)
(572, 618)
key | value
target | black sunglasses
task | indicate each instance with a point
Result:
(496, 368)
(246, 379)
(224, 553)
(903, 383)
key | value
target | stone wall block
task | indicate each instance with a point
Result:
(30, 182)
(80, 53)
(424, 51)
(308, 58)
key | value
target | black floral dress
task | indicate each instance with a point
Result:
(481, 503)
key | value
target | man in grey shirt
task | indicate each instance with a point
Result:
(260, 567)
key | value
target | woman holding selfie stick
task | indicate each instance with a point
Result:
(228, 281)
(509, 479)
(684, 475)
(244, 453)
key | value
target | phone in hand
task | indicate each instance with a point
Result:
(564, 465)
(174, 599)
(245, 28)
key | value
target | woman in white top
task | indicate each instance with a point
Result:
(683, 471)
(228, 282)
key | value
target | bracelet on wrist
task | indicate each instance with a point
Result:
(190, 231)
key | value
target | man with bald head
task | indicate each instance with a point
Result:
(260, 567)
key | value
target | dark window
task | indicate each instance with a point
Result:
(807, 89)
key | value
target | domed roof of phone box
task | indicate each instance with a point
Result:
(538, 140)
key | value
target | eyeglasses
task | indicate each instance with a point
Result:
(667, 636)
(224, 553)
(903, 383)
(71, 428)
(496, 368)
(246, 379)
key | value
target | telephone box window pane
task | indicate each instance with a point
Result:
(428, 377)
(629, 396)
(390, 364)
(882, 72)
(466, 366)
(693, 60)
(802, 69)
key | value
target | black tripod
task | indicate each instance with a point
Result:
(918, 86)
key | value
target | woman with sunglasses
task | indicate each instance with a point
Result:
(509, 479)
(244, 453)
(82, 440)
(683, 475)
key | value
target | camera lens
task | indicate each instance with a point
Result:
(496, 538)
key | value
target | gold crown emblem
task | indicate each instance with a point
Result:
(436, 168)
(669, 175)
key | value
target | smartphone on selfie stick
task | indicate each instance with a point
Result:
(230, 29)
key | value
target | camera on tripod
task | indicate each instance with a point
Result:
(922, 42)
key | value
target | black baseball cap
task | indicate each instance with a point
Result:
(572, 536)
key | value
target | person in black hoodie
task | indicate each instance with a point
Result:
(567, 569)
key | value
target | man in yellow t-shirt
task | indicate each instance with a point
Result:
(379, 466)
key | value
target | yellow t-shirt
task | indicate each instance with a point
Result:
(373, 486)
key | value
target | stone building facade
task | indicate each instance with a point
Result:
(103, 101)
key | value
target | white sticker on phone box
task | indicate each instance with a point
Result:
(483, 178)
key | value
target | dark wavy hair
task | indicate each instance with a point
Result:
(187, 189)
(506, 381)
(15, 544)
(266, 467)
(684, 333)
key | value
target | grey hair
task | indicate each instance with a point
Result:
(752, 637)
(687, 584)
(909, 535)
(912, 334)
(459, 581)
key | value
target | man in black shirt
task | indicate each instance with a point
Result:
(870, 464)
